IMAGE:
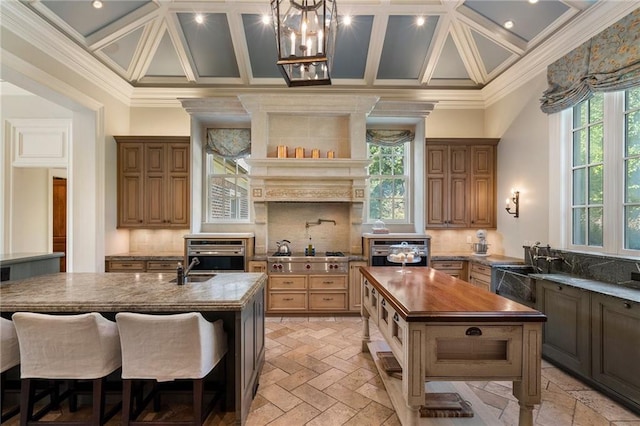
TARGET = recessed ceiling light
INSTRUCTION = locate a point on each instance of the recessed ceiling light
(533, 1)
(346, 20)
(266, 19)
(199, 18)
(97, 4)
(508, 24)
(420, 21)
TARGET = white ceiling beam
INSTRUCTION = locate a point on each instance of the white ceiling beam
(149, 41)
(468, 52)
(180, 44)
(437, 44)
(376, 42)
(490, 29)
(240, 49)
(123, 26)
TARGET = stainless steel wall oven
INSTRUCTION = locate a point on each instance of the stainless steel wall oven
(379, 250)
(216, 255)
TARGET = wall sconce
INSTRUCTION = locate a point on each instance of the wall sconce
(515, 199)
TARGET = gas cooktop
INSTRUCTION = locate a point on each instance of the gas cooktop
(326, 254)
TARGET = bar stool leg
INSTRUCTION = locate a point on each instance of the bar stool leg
(198, 394)
(127, 401)
(27, 393)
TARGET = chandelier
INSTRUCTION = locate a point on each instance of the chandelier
(305, 39)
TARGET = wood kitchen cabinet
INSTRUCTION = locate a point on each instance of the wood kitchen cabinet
(307, 293)
(565, 335)
(461, 182)
(480, 275)
(455, 268)
(616, 345)
(257, 266)
(153, 182)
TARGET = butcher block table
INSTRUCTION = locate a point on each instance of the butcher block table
(440, 328)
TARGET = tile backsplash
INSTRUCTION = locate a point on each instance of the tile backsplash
(456, 241)
(157, 241)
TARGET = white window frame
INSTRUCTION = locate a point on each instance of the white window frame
(205, 206)
(408, 195)
(613, 175)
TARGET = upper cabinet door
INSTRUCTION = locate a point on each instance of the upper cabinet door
(153, 182)
(460, 187)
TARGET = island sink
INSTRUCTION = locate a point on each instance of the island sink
(195, 279)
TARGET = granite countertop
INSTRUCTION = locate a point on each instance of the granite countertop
(490, 260)
(142, 292)
(11, 258)
(170, 255)
(622, 292)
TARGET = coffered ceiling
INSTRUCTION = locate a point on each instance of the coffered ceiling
(461, 44)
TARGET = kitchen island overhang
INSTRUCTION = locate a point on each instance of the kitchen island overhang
(440, 328)
(236, 298)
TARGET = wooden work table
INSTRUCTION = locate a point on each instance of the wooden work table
(440, 328)
(236, 298)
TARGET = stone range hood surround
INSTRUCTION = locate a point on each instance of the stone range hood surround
(310, 180)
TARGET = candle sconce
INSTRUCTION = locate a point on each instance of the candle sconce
(515, 200)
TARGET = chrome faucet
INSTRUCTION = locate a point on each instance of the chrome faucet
(183, 274)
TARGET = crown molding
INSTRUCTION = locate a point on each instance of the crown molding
(26, 24)
(588, 24)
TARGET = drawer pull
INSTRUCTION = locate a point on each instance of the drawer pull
(627, 305)
(287, 298)
(396, 317)
(473, 331)
(327, 282)
(287, 282)
(327, 299)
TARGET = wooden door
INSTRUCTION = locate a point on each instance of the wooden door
(130, 184)
(483, 199)
(60, 219)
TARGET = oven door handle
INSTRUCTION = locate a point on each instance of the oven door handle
(216, 253)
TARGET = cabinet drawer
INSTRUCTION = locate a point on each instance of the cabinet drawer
(327, 301)
(328, 283)
(478, 269)
(288, 283)
(287, 301)
(127, 266)
(474, 351)
(448, 264)
(370, 301)
(161, 265)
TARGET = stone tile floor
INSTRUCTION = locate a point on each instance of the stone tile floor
(315, 374)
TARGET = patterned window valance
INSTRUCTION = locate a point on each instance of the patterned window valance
(608, 62)
(229, 143)
(389, 137)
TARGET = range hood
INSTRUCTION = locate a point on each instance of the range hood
(308, 180)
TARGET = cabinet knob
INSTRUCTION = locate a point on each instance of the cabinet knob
(560, 288)
(627, 305)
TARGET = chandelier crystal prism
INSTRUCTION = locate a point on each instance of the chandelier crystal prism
(305, 39)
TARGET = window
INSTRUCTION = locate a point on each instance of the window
(631, 169)
(388, 182)
(604, 173)
(227, 189)
(587, 169)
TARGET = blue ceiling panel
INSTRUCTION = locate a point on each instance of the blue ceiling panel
(121, 51)
(86, 19)
(521, 12)
(261, 45)
(166, 62)
(210, 44)
(492, 54)
(450, 65)
(352, 46)
(405, 47)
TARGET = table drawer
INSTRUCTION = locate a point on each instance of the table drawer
(448, 264)
(283, 301)
(328, 282)
(127, 265)
(474, 351)
(287, 283)
(328, 301)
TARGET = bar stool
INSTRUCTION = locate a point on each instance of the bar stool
(66, 347)
(9, 358)
(166, 348)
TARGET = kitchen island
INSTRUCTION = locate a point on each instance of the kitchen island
(440, 328)
(236, 298)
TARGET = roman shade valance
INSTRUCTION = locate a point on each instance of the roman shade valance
(608, 62)
(389, 137)
(229, 143)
